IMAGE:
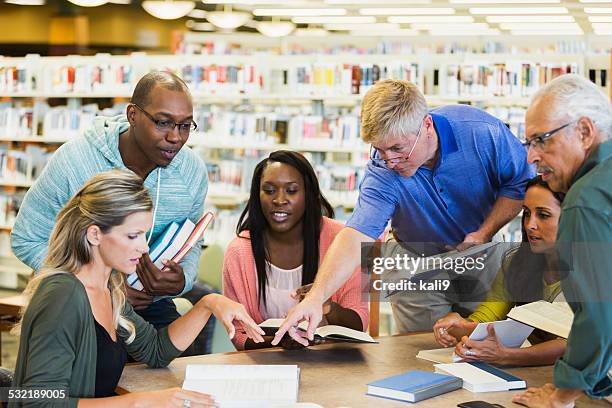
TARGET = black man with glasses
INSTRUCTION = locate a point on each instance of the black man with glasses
(569, 133)
(451, 176)
(149, 141)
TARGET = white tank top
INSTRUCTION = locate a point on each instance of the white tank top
(281, 284)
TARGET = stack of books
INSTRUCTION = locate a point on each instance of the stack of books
(174, 244)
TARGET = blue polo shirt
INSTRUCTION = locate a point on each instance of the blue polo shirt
(479, 161)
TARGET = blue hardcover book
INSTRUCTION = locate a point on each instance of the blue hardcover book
(414, 386)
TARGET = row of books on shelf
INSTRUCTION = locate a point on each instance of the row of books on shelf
(9, 206)
(510, 79)
(344, 79)
(237, 127)
(513, 79)
(22, 166)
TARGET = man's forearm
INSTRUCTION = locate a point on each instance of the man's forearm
(340, 261)
(503, 211)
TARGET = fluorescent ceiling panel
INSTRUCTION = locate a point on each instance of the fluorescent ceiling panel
(334, 19)
(360, 27)
(410, 11)
(530, 19)
(518, 10)
(540, 26)
(430, 19)
(598, 10)
(504, 1)
(288, 12)
(400, 32)
(600, 19)
(369, 2)
(450, 26)
(472, 33)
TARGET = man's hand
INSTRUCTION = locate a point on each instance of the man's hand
(300, 294)
(547, 396)
(309, 310)
(140, 300)
(169, 281)
(473, 239)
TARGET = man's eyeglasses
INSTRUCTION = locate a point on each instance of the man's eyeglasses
(538, 141)
(164, 125)
(394, 160)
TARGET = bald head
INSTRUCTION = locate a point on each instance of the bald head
(164, 79)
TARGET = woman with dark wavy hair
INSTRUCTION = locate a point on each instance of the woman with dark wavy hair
(529, 272)
(283, 233)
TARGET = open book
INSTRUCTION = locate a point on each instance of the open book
(173, 244)
(245, 386)
(555, 318)
(331, 332)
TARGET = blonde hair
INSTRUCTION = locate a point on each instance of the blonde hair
(391, 108)
(106, 200)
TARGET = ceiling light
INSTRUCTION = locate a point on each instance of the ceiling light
(598, 10)
(26, 2)
(475, 33)
(449, 26)
(540, 26)
(546, 32)
(88, 3)
(245, 2)
(197, 13)
(360, 27)
(120, 1)
(603, 32)
(168, 9)
(289, 12)
(410, 11)
(594, 1)
(228, 19)
(430, 19)
(369, 2)
(502, 1)
(600, 19)
(334, 19)
(275, 28)
(518, 10)
(400, 32)
(530, 19)
(602, 26)
(310, 32)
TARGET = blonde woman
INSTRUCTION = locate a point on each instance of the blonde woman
(77, 328)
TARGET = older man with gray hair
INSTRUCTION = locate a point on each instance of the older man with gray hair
(569, 127)
(452, 176)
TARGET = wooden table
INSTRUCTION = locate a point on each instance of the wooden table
(335, 375)
(9, 313)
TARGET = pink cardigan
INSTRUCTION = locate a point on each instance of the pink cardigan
(240, 279)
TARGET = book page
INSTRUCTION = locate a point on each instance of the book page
(555, 318)
(245, 385)
(341, 333)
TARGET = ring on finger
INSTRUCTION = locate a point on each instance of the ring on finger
(187, 403)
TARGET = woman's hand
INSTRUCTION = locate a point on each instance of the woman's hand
(173, 398)
(489, 350)
(451, 327)
(226, 310)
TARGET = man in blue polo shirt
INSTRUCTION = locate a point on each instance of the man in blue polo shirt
(453, 176)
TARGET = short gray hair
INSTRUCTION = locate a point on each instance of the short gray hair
(391, 108)
(574, 97)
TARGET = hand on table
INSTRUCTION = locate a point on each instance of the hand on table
(309, 310)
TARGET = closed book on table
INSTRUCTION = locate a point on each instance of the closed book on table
(481, 377)
(414, 386)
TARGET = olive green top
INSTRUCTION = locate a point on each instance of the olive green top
(57, 348)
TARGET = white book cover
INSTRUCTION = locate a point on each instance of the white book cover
(555, 318)
(478, 380)
(245, 386)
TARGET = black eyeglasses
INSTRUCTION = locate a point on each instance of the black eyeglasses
(538, 141)
(164, 125)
